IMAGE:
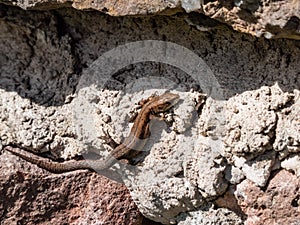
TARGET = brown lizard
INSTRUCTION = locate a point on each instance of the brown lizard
(130, 147)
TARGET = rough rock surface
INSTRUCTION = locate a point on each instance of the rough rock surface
(253, 134)
(44, 55)
(165, 199)
(30, 195)
(288, 129)
(35, 127)
(292, 163)
(248, 130)
(260, 18)
(278, 203)
(206, 169)
(209, 216)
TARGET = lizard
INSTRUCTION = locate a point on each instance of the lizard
(128, 149)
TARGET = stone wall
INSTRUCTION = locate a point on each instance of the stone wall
(219, 160)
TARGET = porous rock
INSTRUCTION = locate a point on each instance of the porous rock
(43, 52)
(278, 203)
(251, 120)
(257, 170)
(234, 174)
(163, 200)
(206, 168)
(36, 127)
(77, 197)
(288, 128)
(158, 186)
(260, 18)
(209, 216)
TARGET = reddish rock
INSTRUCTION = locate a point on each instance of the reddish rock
(30, 195)
(279, 203)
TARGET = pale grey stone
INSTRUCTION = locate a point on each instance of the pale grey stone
(205, 168)
(209, 216)
(251, 120)
(258, 170)
(163, 200)
(292, 163)
(288, 128)
(234, 175)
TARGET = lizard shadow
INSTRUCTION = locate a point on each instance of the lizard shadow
(110, 173)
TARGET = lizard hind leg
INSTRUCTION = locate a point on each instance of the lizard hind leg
(109, 140)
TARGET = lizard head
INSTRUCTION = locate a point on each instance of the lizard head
(164, 102)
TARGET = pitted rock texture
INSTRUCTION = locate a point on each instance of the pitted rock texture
(208, 164)
(119, 8)
(229, 201)
(163, 200)
(206, 168)
(38, 74)
(260, 18)
(36, 127)
(271, 19)
(288, 129)
(209, 216)
(253, 134)
(248, 129)
(278, 203)
(45, 53)
(30, 195)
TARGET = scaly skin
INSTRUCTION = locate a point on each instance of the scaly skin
(131, 146)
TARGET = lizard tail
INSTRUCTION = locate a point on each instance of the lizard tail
(57, 167)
